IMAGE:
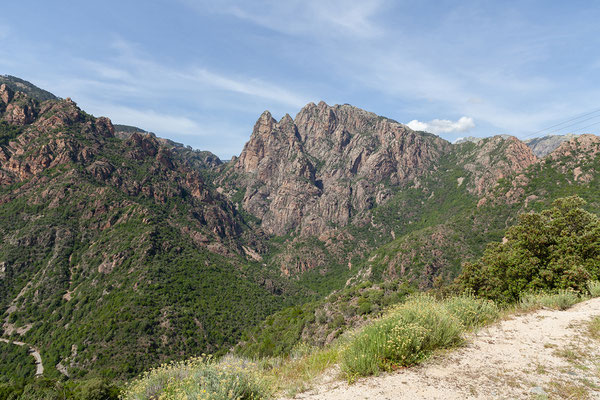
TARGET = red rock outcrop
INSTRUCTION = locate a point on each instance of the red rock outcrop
(492, 159)
(57, 133)
(327, 165)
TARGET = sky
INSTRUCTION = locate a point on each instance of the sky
(201, 72)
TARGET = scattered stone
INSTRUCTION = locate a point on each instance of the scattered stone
(538, 390)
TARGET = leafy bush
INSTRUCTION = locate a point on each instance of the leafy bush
(444, 328)
(199, 378)
(558, 248)
(559, 300)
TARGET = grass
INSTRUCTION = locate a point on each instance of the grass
(569, 390)
(594, 288)
(593, 329)
(294, 374)
(559, 300)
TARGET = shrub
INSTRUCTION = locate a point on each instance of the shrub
(444, 330)
(405, 336)
(559, 300)
(198, 378)
(558, 248)
(382, 346)
(471, 311)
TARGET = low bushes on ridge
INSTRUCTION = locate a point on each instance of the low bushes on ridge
(199, 378)
(409, 333)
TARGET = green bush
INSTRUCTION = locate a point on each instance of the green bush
(471, 311)
(199, 378)
(558, 248)
(405, 336)
(382, 346)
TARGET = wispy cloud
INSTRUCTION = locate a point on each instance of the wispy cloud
(136, 70)
(150, 119)
(303, 17)
(204, 66)
(438, 126)
(253, 87)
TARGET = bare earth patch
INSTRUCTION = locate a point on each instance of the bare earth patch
(545, 354)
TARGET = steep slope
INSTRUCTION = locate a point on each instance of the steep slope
(311, 185)
(501, 179)
(328, 165)
(116, 255)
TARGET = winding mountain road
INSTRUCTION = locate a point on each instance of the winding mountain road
(33, 351)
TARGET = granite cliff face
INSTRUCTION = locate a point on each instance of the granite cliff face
(328, 166)
(492, 159)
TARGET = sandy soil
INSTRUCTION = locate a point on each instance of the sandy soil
(543, 354)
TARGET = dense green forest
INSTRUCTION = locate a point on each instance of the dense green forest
(15, 362)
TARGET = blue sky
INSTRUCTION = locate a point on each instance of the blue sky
(201, 72)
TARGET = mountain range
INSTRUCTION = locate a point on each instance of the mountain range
(121, 250)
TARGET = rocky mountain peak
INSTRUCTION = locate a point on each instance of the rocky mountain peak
(328, 165)
(286, 120)
(264, 124)
(20, 85)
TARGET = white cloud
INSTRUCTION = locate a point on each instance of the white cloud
(438, 126)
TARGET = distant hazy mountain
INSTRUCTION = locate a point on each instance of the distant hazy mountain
(542, 146)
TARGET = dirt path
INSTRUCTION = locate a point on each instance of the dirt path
(541, 355)
(34, 352)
